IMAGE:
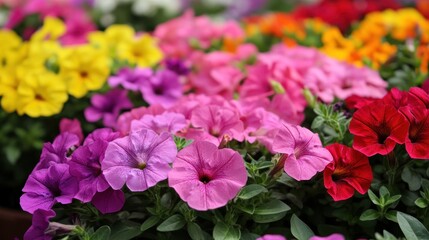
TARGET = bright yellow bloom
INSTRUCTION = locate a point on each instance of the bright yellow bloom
(52, 29)
(112, 37)
(41, 95)
(9, 40)
(84, 69)
(9, 82)
(142, 51)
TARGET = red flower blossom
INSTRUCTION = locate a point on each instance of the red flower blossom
(357, 102)
(417, 142)
(349, 171)
(377, 128)
(397, 98)
(418, 96)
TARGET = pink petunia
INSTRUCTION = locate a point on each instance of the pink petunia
(71, 126)
(304, 153)
(207, 177)
(139, 160)
(166, 122)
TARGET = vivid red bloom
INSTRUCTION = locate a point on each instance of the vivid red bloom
(417, 142)
(418, 96)
(377, 128)
(397, 98)
(349, 171)
(356, 102)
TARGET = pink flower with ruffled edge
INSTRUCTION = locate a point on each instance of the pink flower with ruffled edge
(207, 177)
(335, 236)
(123, 125)
(139, 160)
(303, 152)
(271, 237)
(166, 122)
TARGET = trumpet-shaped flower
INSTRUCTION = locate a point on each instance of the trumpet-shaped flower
(142, 51)
(166, 122)
(107, 107)
(304, 153)
(377, 128)
(46, 187)
(417, 142)
(162, 88)
(349, 171)
(207, 177)
(41, 95)
(84, 69)
(139, 160)
(40, 224)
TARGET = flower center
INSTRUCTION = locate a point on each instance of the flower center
(205, 179)
(383, 132)
(39, 97)
(158, 90)
(84, 74)
(141, 166)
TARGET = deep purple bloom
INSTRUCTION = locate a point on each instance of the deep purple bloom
(139, 160)
(163, 88)
(40, 224)
(107, 107)
(105, 134)
(85, 165)
(177, 66)
(56, 152)
(166, 122)
(131, 79)
(45, 187)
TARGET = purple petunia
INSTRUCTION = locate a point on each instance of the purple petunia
(177, 66)
(130, 79)
(48, 186)
(56, 152)
(139, 160)
(105, 134)
(40, 224)
(107, 107)
(163, 88)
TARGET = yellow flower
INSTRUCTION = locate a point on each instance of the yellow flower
(84, 69)
(9, 82)
(112, 37)
(9, 40)
(142, 51)
(52, 29)
(41, 94)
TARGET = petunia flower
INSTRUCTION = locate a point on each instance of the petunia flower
(130, 79)
(417, 142)
(139, 160)
(109, 201)
(271, 237)
(303, 150)
(335, 236)
(40, 224)
(57, 152)
(377, 128)
(162, 88)
(166, 122)
(107, 107)
(105, 134)
(349, 171)
(213, 123)
(177, 66)
(71, 126)
(207, 177)
(46, 187)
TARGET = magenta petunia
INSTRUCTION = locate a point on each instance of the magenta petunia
(40, 224)
(130, 79)
(214, 123)
(162, 88)
(271, 237)
(71, 126)
(139, 160)
(107, 106)
(207, 177)
(303, 150)
(105, 134)
(109, 201)
(56, 152)
(166, 122)
(335, 236)
(45, 187)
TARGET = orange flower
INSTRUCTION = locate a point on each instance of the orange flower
(423, 55)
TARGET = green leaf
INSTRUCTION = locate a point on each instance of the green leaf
(421, 203)
(172, 223)
(374, 199)
(12, 154)
(413, 179)
(384, 192)
(299, 229)
(101, 234)
(412, 228)
(125, 230)
(251, 191)
(272, 207)
(196, 233)
(393, 199)
(391, 215)
(369, 215)
(317, 122)
(150, 222)
(268, 218)
(223, 231)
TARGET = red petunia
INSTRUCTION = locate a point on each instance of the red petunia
(397, 98)
(417, 142)
(349, 171)
(356, 102)
(418, 96)
(377, 128)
